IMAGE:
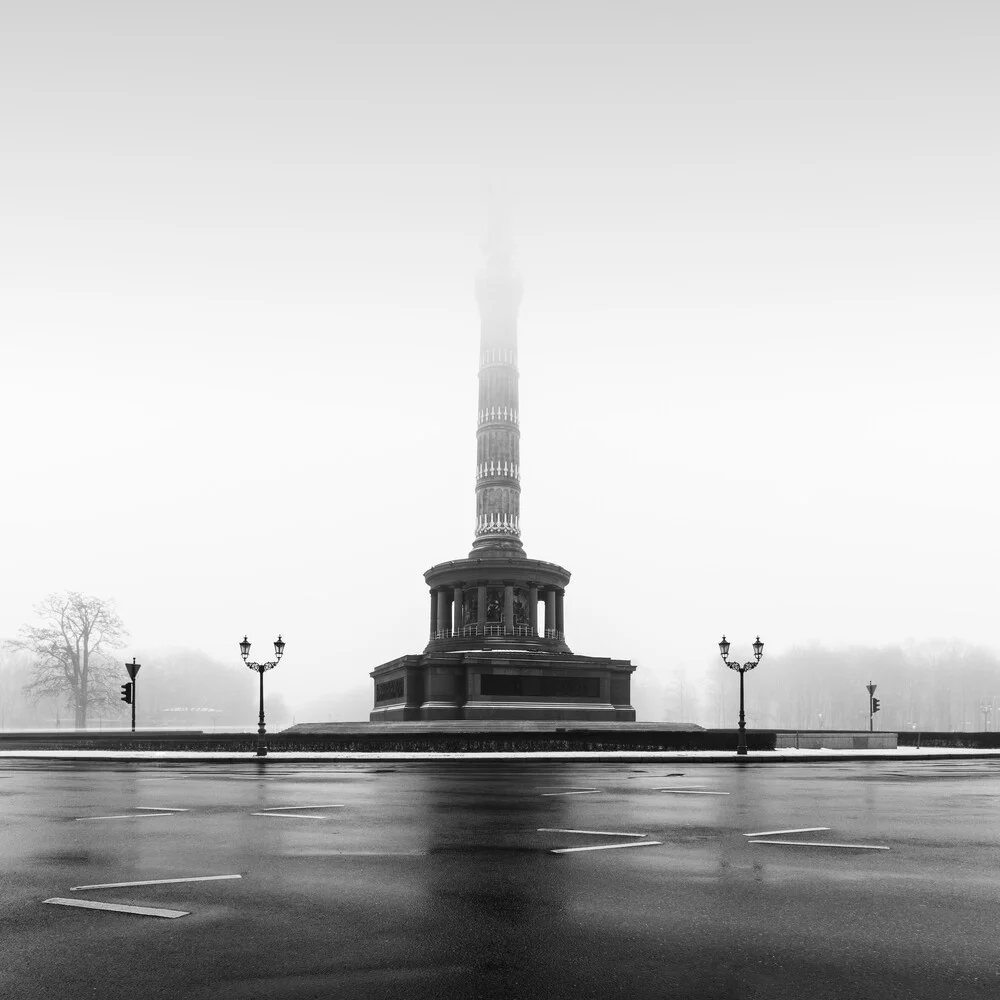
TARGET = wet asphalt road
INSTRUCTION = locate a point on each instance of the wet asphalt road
(437, 880)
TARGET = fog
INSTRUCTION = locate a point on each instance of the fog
(177, 689)
(758, 343)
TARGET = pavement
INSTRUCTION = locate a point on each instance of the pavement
(500, 878)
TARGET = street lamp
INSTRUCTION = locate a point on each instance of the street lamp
(279, 649)
(758, 652)
(985, 709)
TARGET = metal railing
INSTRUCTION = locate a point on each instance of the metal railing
(495, 630)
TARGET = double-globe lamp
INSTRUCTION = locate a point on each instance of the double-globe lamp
(758, 652)
(279, 649)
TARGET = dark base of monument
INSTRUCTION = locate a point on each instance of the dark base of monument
(502, 684)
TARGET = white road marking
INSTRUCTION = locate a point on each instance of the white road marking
(775, 833)
(164, 809)
(581, 791)
(289, 815)
(592, 833)
(142, 911)
(147, 815)
(605, 847)
(153, 881)
(816, 843)
(687, 791)
(339, 805)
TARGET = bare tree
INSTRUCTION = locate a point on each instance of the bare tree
(70, 651)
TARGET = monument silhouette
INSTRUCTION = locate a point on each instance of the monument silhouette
(497, 644)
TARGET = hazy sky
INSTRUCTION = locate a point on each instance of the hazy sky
(758, 338)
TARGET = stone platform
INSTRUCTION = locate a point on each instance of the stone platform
(494, 726)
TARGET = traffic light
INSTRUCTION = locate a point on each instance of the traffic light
(874, 705)
(127, 693)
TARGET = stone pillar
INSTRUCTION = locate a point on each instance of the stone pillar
(481, 615)
(508, 609)
(533, 608)
(550, 609)
(442, 615)
(560, 613)
(458, 609)
(434, 611)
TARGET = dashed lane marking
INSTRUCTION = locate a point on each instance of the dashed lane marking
(777, 833)
(605, 847)
(592, 833)
(278, 815)
(688, 791)
(153, 881)
(145, 815)
(141, 911)
(579, 791)
(165, 809)
(817, 843)
(338, 805)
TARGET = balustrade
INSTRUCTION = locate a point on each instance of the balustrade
(493, 630)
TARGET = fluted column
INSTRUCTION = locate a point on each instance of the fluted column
(498, 435)
(458, 609)
(560, 613)
(550, 609)
(508, 609)
(533, 608)
(481, 611)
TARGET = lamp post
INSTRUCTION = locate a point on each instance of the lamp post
(758, 652)
(985, 709)
(279, 649)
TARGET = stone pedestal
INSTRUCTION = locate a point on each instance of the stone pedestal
(502, 684)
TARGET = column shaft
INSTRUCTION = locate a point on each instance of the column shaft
(508, 609)
(481, 614)
(533, 608)
(442, 611)
(550, 611)
(458, 609)
(560, 613)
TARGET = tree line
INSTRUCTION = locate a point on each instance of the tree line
(65, 669)
(933, 686)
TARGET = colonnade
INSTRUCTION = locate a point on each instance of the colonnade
(447, 611)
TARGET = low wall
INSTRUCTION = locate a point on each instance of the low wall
(403, 738)
(819, 740)
(971, 741)
(358, 740)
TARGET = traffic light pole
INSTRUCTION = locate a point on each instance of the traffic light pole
(133, 669)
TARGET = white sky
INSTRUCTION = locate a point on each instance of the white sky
(758, 337)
